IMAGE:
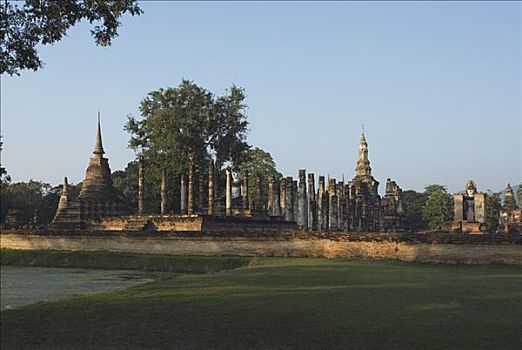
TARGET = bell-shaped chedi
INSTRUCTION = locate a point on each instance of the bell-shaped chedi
(98, 197)
(97, 184)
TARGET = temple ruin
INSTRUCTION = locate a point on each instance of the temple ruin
(469, 210)
(290, 204)
(511, 213)
(98, 198)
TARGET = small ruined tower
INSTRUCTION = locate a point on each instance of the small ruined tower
(509, 199)
(64, 197)
(365, 208)
(363, 163)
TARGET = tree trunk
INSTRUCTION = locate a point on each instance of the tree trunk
(163, 208)
(211, 188)
(141, 185)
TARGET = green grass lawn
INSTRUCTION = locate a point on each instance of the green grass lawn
(281, 303)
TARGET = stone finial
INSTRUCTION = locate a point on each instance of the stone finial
(65, 188)
(363, 163)
(98, 145)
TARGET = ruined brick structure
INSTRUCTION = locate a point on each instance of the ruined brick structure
(392, 207)
(98, 198)
(365, 201)
(336, 206)
(469, 210)
(511, 213)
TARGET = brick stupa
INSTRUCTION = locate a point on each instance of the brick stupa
(98, 197)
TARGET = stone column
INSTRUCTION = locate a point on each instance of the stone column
(458, 207)
(347, 208)
(277, 204)
(302, 204)
(289, 200)
(228, 195)
(258, 195)
(339, 191)
(244, 188)
(183, 194)
(282, 197)
(480, 207)
(202, 200)
(141, 185)
(311, 203)
(319, 201)
(270, 202)
(210, 210)
(332, 206)
(163, 206)
(294, 199)
(190, 203)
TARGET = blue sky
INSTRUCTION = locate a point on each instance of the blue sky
(437, 86)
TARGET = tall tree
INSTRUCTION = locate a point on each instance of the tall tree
(188, 125)
(438, 207)
(43, 22)
(413, 202)
(126, 183)
(259, 163)
(493, 208)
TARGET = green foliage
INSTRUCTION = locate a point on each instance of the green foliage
(4, 177)
(126, 183)
(413, 202)
(44, 22)
(438, 207)
(260, 164)
(182, 123)
(493, 208)
(287, 303)
(33, 197)
(519, 195)
(190, 121)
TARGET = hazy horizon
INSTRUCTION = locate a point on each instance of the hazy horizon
(438, 87)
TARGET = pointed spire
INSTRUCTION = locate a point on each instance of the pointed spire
(65, 188)
(98, 146)
(363, 163)
(363, 138)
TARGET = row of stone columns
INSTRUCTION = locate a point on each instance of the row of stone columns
(327, 209)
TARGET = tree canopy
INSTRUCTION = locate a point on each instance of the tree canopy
(33, 197)
(43, 22)
(259, 163)
(493, 208)
(413, 202)
(190, 122)
(438, 207)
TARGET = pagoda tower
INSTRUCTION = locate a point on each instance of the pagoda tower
(98, 197)
(365, 199)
